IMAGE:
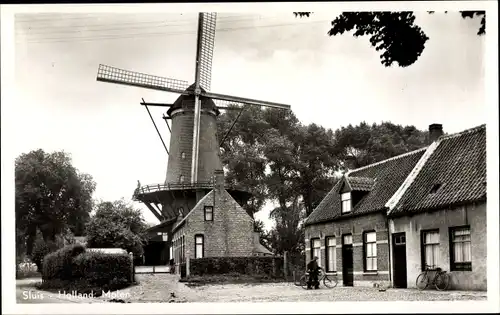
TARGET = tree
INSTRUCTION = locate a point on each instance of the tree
(117, 225)
(51, 195)
(361, 145)
(393, 33)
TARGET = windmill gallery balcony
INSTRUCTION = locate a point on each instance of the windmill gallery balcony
(180, 198)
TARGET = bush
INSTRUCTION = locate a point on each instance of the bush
(42, 249)
(254, 266)
(102, 269)
(73, 268)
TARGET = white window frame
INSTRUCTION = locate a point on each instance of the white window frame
(434, 253)
(197, 252)
(346, 202)
(370, 251)
(331, 253)
(316, 251)
(211, 212)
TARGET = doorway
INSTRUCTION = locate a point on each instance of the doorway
(399, 259)
(347, 261)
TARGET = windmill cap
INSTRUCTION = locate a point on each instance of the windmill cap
(188, 102)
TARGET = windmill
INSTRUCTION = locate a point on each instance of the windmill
(195, 112)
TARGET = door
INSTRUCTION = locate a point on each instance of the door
(399, 259)
(347, 261)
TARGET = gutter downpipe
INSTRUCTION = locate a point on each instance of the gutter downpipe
(389, 242)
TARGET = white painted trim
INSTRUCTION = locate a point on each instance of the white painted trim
(383, 242)
(357, 244)
(393, 201)
(371, 273)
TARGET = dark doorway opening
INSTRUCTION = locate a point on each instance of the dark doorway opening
(347, 261)
(399, 260)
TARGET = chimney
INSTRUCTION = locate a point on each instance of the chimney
(219, 179)
(435, 131)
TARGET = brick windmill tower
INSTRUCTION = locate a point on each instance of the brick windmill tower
(193, 154)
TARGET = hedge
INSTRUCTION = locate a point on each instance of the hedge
(255, 266)
(73, 268)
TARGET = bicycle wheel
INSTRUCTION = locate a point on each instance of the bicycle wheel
(303, 282)
(330, 283)
(422, 281)
(442, 281)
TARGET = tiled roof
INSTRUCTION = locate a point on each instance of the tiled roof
(385, 176)
(360, 183)
(454, 173)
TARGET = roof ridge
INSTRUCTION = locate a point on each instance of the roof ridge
(394, 200)
(387, 160)
(463, 132)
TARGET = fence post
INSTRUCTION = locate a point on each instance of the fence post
(285, 265)
(132, 267)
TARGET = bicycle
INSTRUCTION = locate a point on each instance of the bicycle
(441, 279)
(329, 283)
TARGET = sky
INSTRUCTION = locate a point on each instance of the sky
(330, 81)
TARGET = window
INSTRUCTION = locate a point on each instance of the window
(209, 213)
(316, 249)
(199, 246)
(346, 202)
(331, 254)
(430, 249)
(370, 251)
(181, 179)
(461, 256)
(347, 239)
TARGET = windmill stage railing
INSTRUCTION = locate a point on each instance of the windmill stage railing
(177, 186)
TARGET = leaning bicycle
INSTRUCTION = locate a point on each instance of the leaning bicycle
(329, 282)
(441, 279)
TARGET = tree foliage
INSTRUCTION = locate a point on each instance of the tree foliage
(361, 145)
(51, 195)
(395, 34)
(117, 225)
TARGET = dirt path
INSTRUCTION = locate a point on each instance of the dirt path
(155, 288)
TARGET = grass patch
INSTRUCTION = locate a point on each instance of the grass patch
(229, 278)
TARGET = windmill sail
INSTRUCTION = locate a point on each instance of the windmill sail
(115, 75)
(222, 99)
(205, 49)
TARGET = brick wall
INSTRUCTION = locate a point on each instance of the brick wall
(472, 215)
(355, 226)
(229, 234)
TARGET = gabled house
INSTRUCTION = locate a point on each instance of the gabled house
(388, 220)
(216, 227)
(348, 230)
(438, 217)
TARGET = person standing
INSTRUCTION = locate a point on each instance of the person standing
(313, 269)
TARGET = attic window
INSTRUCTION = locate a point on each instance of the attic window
(346, 202)
(435, 188)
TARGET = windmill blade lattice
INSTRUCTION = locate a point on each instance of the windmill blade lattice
(222, 99)
(115, 75)
(206, 38)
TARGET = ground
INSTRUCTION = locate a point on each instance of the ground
(160, 287)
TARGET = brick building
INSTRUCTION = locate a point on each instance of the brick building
(216, 227)
(438, 217)
(348, 230)
(385, 221)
